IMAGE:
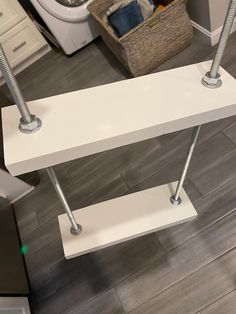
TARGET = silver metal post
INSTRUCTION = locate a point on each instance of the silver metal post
(175, 199)
(75, 228)
(28, 123)
(212, 78)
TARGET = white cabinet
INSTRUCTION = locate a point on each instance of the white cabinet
(14, 305)
(11, 13)
(21, 40)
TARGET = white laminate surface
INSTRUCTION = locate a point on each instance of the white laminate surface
(96, 119)
(14, 305)
(124, 218)
(13, 188)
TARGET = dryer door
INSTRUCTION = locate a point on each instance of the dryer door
(71, 3)
(66, 10)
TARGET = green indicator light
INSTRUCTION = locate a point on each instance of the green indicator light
(24, 249)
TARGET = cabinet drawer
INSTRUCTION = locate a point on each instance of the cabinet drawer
(11, 13)
(21, 41)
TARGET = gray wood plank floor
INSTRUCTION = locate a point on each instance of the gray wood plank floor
(185, 269)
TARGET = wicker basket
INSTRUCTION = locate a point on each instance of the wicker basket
(152, 42)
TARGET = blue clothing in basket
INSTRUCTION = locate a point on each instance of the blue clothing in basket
(126, 18)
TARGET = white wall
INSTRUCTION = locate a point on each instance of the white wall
(208, 17)
(210, 14)
(199, 12)
(217, 10)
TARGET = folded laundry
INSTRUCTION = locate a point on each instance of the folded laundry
(125, 18)
(124, 15)
(147, 7)
(117, 5)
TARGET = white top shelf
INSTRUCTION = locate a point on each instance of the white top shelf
(96, 119)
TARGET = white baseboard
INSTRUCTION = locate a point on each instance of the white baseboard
(211, 37)
(205, 34)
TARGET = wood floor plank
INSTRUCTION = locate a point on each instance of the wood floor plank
(100, 270)
(118, 262)
(209, 130)
(110, 265)
(171, 174)
(226, 304)
(113, 160)
(230, 131)
(41, 284)
(100, 190)
(216, 175)
(168, 159)
(210, 209)
(191, 294)
(208, 153)
(149, 162)
(178, 263)
(90, 275)
(60, 302)
(169, 154)
(104, 304)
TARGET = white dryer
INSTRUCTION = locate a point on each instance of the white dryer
(69, 21)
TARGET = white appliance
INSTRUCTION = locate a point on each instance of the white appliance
(69, 21)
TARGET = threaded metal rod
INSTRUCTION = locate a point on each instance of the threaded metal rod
(223, 38)
(75, 228)
(212, 78)
(28, 123)
(13, 86)
(175, 199)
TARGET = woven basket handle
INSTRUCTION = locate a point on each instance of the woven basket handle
(155, 19)
(158, 16)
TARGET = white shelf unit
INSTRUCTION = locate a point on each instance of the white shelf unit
(101, 118)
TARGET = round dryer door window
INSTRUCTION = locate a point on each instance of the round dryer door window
(71, 3)
(66, 10)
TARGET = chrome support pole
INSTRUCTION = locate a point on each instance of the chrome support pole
(175, 199)
(75, 228)
(28, 123)
(212, 78)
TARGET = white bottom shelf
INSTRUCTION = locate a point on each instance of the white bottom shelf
(124, 218)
